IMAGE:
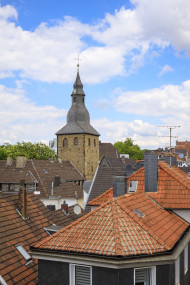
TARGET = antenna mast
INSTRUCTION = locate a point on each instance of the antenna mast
(170, 128)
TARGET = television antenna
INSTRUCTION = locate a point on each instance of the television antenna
(170, 136)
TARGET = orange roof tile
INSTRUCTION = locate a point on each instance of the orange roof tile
(102, 198)
(114, 229)
(173, 188)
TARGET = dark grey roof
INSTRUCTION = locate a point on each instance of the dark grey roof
(78, 118)
(108, 150)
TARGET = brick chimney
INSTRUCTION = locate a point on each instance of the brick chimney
(119, 186)
(23, 208)
(65, 207)
(57, 180)
(150, 171)
(20, 161)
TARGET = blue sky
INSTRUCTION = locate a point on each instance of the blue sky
(135, 59)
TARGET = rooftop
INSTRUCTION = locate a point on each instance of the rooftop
(116, 229)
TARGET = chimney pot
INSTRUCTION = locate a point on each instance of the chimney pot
(65, 207)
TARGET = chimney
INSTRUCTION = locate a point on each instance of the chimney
(20, 161)
(57, 180)
(65, 207)
(9, 161)
(119, 186)
(51, 207)
(23, 208)
(150, 171)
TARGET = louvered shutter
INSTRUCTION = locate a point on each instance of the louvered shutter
(142, 276)
(82, 275)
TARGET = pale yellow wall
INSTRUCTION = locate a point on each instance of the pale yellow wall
(84, 157)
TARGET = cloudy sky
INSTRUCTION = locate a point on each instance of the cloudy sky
(135, 67)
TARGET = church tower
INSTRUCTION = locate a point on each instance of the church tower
(78, 141)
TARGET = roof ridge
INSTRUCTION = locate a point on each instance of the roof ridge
(163, 167)
(142, 225)
(116, 230)
(136, 172)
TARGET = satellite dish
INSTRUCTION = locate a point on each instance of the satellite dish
(77, 210)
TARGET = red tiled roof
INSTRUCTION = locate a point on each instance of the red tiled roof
(173, 188)
(102, 198)
(114, 229)
(14, 230)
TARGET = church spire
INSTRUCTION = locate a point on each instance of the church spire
(78, 86)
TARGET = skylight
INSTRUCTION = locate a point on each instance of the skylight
(44, 170)
(23, 252)
(2, 281)
(139, 213)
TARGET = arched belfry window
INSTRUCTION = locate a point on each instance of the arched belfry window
(89, 142)
(75, 141)
(94, 142)
(74, 99)
(65, 142)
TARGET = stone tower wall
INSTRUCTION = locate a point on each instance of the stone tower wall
(85, 157)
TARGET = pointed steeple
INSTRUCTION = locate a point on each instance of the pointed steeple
(78, 86)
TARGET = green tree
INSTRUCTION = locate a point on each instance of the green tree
(127, 147)
(30, 150)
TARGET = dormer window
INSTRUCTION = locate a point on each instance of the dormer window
(132, 186)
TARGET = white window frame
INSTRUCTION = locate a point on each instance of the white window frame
(152, 274)
(2, 281)
(177, 271)
(133, 186)
(72, 273)
(186, 259)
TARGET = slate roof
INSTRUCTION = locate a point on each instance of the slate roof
(112, 161)
(78, 118)
(14, 230)
(104, 180)
(44, 172)
(107, 149)
(115, 230)
(173, 188)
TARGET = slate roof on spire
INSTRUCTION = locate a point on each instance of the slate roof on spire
(78, 118)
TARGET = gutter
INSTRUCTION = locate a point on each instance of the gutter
(118, 262)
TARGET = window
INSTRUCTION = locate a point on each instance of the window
(23, 252)
(89, 142)
(94, 142)
(145, 276)
(80, 275)
(177, 271)
(65, 143)
(75, 141)
(132, 186)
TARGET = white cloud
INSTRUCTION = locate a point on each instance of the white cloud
(47, 53)
(166, 101)
(21, 119)
(166, 68)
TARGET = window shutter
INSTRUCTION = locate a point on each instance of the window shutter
(82, 275)
(142, 275)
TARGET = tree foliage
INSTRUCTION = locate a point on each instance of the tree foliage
(30, 150)
(127, 147)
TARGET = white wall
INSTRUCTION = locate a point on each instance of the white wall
(58, 202)
(185, 214)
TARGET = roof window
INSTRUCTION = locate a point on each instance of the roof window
(44, 170)
(23, 252)
(2, 281)
(139, 213)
